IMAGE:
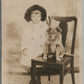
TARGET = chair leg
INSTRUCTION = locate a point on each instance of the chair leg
(39, 78)
(72, 72)
(49, 77)
(33, 74)
(73, 78)
(62, 75)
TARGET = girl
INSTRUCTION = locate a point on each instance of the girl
(34, 35)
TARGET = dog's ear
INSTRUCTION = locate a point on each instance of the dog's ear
(58, 29)
(49, 30)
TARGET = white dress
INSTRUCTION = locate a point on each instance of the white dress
(33, 39)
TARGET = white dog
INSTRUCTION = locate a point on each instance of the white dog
(53, 47)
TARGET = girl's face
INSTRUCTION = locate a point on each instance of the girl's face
(36, 16)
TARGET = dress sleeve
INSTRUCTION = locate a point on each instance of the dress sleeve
(26, 39)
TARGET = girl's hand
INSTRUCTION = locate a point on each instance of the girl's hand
(25, 52)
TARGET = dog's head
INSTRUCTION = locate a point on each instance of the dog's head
(53, 33)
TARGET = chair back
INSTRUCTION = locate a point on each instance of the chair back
(63, 24)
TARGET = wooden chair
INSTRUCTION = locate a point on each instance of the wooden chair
(61, 67)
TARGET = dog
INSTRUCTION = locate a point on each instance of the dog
(53, 47)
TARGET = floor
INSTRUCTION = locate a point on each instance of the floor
(19, 78)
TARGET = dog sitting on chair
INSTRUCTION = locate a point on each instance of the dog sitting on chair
(53, 48)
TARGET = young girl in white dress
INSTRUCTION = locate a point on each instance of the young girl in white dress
(33, 37)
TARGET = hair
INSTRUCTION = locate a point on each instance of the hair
(33, 8)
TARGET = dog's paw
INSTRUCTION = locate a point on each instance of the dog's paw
(61, 56)
(45, 57)
(59, 59)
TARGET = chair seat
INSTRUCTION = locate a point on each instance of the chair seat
(42, 62)
(52, 69)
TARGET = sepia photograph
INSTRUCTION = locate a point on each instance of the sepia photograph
(41, 42)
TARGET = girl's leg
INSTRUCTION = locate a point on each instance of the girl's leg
(27, 68)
